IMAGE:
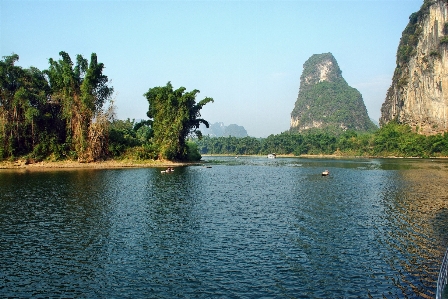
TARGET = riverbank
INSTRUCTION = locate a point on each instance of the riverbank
(329, 156)
(109, 164)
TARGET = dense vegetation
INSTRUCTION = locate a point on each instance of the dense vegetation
(174, 116)
(57, 112)
(334, 103)
(409, 41)
(391, 140)
(66, 112)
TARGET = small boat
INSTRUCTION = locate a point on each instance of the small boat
(325, 173)
(168, 170)
(272, 156)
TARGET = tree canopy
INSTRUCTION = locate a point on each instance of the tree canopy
(58, 111)
(23, 106)
(174, 116)
(81, 91)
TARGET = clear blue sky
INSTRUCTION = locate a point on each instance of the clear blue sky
(247, 55)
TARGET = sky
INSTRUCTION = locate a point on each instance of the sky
(247, 55)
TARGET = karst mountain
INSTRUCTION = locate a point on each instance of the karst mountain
(325, 100)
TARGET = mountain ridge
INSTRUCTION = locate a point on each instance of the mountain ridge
(218, 129)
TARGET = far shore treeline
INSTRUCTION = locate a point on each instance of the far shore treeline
(66, 112)
(391, 140)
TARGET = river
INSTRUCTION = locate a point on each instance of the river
(247, 227)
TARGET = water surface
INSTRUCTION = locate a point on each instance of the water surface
(238, 228)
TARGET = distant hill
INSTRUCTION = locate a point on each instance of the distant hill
(220, 130)
(325, 100)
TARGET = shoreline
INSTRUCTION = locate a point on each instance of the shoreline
(108, 164)
(332, 156)
(120, 164)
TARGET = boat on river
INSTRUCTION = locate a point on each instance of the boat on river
(325, 172)
(272, 156)
(168, 170)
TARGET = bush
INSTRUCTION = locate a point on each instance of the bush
(444, 40)
(142, 152)
(193, 152)
(435, 54)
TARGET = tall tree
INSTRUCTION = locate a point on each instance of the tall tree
(175, 115)
(81, 91)
(23, 95)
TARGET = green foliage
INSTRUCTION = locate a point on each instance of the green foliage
(81, 90)
(445, 28)
(142, 152)
(174, 115)
(56, 112)
(399, 140)
(435, 54)
(37, 122)
(23, 107)
(409, 39)
(402, 82)
(330, 104)
(333, 104)
(122, 136)
(391, 140)
(444, 40)
(311, 71)
(193, 152)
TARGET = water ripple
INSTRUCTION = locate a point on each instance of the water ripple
(244, 228)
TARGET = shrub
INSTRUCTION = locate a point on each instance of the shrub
(444, 40)
(193, 152)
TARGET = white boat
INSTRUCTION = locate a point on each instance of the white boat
(168, 170)
(325, 173)
(272, 156)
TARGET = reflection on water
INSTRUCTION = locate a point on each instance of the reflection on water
(244, 228)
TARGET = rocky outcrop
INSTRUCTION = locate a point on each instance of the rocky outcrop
(418, 95)
(325, 100)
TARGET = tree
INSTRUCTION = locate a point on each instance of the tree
(175, 115)
(23, 98)
(81, 91)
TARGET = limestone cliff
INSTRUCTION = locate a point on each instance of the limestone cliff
(418, 95)
(326, 101)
